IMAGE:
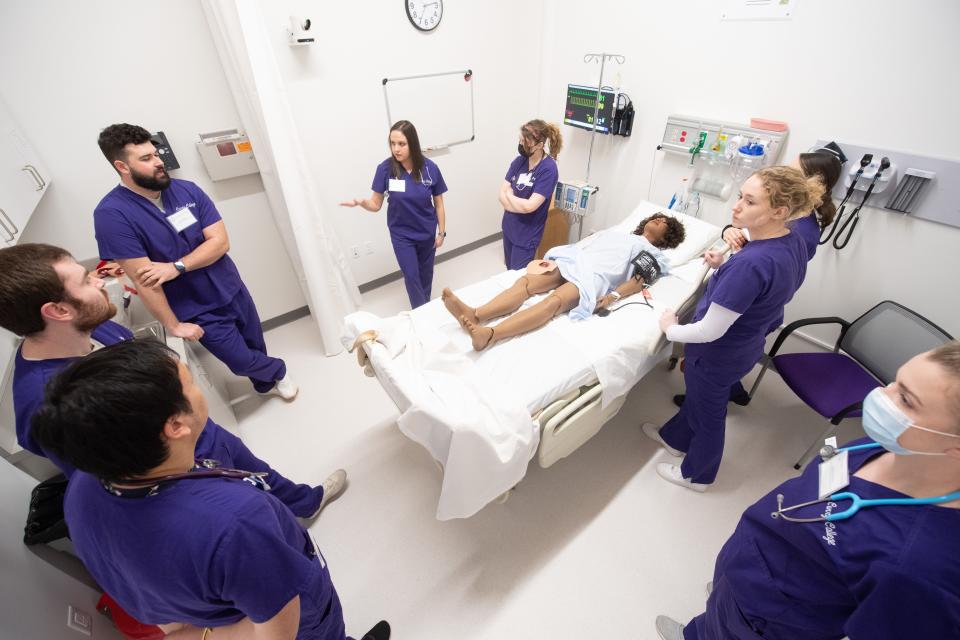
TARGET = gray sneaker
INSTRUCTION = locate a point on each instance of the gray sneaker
(332, 488)
(669, 629)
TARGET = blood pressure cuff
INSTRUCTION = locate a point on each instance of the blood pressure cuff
(645, 266)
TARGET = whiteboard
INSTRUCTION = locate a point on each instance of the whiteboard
(440, 106)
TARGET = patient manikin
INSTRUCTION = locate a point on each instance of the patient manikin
(581, 279)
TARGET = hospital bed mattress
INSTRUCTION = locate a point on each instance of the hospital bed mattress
(481, 414)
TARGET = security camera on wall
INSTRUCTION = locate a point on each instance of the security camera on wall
(299, 31)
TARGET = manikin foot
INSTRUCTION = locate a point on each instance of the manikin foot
(480, 336)
(457, 308)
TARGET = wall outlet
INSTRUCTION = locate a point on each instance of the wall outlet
(368, 247)
(355, 251)
(79, 620)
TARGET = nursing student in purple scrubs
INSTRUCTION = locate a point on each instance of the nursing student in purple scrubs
(527, 190)
(200, 550)
(63, 314)
(823, 163)
(170, 239)
(743, 302)
(888, 572)
(416, 216)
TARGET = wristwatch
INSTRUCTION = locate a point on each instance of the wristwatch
(180, 267)
(442, 234)
(616, 296)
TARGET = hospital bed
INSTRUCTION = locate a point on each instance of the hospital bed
(484, 416)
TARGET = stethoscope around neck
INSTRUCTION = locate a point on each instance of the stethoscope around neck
(856, 502)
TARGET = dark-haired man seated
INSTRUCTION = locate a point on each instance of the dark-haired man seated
(63, 313)
(201, 550)
(581, 278)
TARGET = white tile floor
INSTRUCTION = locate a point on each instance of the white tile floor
(593, 547)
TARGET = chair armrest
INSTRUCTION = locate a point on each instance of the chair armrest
(793, 326)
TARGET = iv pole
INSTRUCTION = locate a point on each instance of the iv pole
(602, 58)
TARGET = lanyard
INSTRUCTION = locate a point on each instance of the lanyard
(144, 487)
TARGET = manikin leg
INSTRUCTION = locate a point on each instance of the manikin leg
(505, 302)
(562, 299)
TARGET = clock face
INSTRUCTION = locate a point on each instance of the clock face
(425, 15)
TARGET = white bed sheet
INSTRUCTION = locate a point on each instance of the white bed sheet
(472, 411)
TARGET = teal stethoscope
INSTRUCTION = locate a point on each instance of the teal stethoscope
(856, 502)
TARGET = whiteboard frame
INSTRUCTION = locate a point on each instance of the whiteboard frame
(467, 73)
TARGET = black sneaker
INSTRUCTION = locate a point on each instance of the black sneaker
(380, 631)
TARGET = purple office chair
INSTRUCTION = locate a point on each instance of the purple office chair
(867, 355)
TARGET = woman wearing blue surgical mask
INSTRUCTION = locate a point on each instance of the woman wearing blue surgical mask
(416, 216)
(527, 190)
(826, 570)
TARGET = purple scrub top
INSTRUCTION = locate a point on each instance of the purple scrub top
(410, 213)
(206, 551)
(755, 282)
(128, 225)
(887, 572)
(807, 228)
(526, 229)
(30, 378)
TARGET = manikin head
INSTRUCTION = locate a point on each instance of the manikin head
(661, 230)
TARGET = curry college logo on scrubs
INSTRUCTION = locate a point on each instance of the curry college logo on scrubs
(829, 528)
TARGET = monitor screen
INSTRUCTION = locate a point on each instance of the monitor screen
(581, 102)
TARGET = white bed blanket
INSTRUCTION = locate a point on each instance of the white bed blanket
(472, 411)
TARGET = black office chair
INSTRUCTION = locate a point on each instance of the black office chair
(867, 355)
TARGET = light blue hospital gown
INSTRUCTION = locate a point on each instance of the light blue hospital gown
(600, 263)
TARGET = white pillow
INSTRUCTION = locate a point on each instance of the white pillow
(699, 235)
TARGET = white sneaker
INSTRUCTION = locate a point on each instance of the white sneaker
(671, 473)
(332, 488)
(285, 388)
(669, 629)
(652, 431)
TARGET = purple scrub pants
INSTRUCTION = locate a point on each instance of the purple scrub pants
(516, 256)
(234, 335)
(216, 443)
(698, 427)
(415, 258)
(723, 619)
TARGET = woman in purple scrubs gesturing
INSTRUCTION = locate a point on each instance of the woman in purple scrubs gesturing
(799, 567)
(527, 190)
(415, 214)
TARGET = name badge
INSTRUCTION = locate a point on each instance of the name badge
(182, 219)
(834, 474)
(525, 180)
(397, 185)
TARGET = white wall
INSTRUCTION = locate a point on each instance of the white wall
(71, 68)
(337, 98)
(821, 73)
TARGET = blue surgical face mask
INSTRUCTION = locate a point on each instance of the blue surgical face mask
(884, 422)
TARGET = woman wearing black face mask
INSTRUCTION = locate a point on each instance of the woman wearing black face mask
(527, 190)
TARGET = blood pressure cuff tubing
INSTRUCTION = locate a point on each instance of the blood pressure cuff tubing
(645, 266)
